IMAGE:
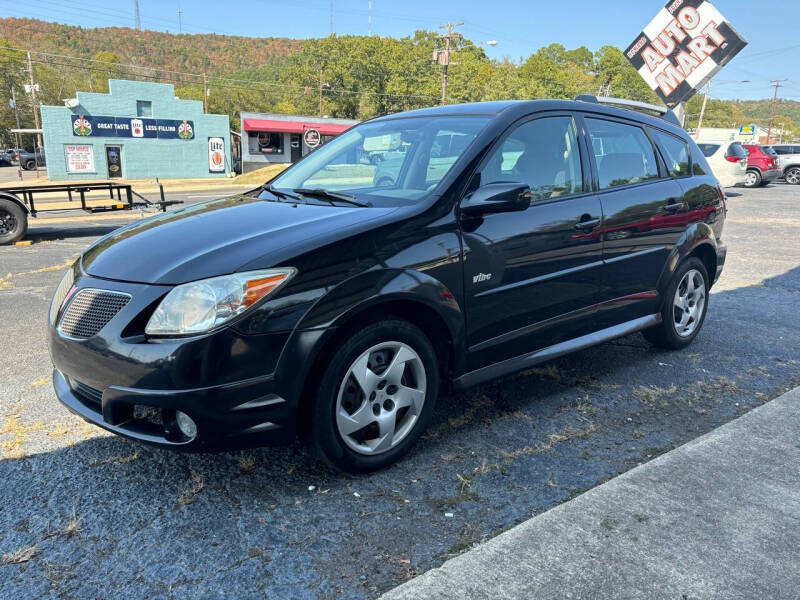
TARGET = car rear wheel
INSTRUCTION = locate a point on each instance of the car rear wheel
(684, 309)
(30, 165)
(792, 175)
(375, 398)
(13, 222)
(752, 178)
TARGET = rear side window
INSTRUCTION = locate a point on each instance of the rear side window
(699, 162)
(708, 150)
(769, 150)
(543, 154)
(623, 153)
(782, 150)
(676, 153)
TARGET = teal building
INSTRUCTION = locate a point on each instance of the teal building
(139, 130)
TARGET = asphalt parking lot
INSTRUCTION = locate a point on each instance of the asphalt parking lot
(85, 514)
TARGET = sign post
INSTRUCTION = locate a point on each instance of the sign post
(687, 43)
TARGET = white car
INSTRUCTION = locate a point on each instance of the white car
(728, 160)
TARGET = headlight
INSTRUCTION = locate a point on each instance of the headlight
(203, 305)
(64, 289)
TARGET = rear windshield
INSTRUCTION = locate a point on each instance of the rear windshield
(736, 150)
(708, 149)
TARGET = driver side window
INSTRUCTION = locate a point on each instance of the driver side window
(543, 154)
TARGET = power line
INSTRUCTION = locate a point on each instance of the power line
(197, 77)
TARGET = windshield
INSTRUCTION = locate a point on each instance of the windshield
(397, 161)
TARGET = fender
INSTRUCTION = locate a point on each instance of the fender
(15, 200)
(696, 234)
(358, 294)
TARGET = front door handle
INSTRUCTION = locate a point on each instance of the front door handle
(587, 224)
(673, 206)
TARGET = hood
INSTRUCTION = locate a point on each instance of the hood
(218, 237)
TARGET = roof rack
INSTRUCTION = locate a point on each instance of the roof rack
(661, 111)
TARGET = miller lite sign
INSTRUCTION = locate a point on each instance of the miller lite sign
(216, 155)
(137, 128)
(687, 43)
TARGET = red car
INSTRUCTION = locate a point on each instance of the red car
(762, 166)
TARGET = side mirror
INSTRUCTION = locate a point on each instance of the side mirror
(506, 196)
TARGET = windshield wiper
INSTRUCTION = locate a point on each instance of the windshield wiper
(330, 196)
(279, 194)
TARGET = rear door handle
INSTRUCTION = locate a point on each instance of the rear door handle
(588, 224)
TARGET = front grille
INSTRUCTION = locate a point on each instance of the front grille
(89, 311)
(87, 393)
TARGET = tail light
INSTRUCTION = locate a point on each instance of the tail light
(16, 155)
(734, 159)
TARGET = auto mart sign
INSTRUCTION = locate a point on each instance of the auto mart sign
(687, 43)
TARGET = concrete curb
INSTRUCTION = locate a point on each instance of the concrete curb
(718, 517)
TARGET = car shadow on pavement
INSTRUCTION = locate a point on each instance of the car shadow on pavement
(105, 517)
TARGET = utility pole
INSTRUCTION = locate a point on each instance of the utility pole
(180, 20)
(205, 93)
(443, 57)
(331, 17)
(16, 117)
(320, 91)
(369, 18)
(33, 102)
(702, 111)
(136, 15)
(777, 83)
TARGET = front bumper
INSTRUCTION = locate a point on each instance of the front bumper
(722, 254)
(229, 383)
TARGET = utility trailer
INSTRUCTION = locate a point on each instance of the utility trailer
(20, 202)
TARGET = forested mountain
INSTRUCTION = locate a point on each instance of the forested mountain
(355, 76)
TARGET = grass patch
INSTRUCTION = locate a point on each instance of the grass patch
(22, 555)
(260, 175)
(198, 484)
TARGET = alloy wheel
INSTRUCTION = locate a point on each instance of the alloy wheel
(750, 179)
(689, 302)
(381, 398)
(793, 176)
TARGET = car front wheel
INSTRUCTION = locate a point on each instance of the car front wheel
(375, 398)
(684, 309)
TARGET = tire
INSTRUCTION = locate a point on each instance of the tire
(13, 222)
(676, 335)
(752, 179)
(792, 175)
(30, 165)
(350, 421)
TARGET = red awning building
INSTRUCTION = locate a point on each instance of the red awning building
(270, 138)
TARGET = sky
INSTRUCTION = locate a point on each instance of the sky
(519, 27)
